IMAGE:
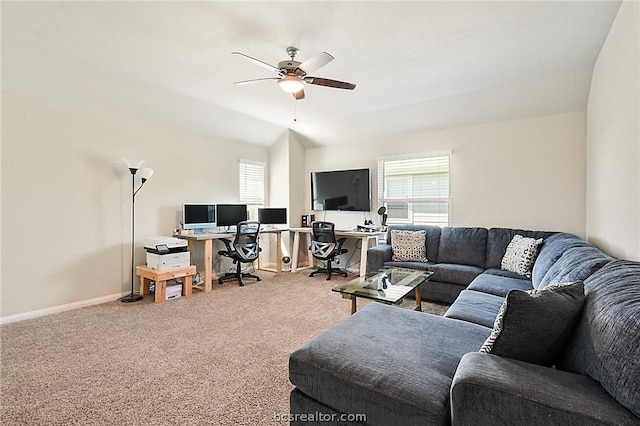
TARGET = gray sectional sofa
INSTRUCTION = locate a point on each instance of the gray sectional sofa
(391, 366)
(456, 255)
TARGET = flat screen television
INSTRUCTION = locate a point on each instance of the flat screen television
(231, 214)
(341, 190)
(198, 216)
(272, 216)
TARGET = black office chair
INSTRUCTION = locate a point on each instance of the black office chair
(324, 246)
(245, 249)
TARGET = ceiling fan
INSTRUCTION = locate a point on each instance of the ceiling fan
(292, 74)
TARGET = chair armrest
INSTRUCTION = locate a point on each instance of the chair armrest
(377, 255)
(227, 244)
(488, 389)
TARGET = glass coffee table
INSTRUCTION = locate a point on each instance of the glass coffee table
(386, 285)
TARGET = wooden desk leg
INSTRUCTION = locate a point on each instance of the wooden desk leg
(190, 246)
(418, 306)
(208, 265)
(296, 248)
(363, 256)
(161, 291)
(308, 238)
(187, 284)
(279, 252)
(144, 286)
(260, 261)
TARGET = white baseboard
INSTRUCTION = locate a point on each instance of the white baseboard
(61, 308)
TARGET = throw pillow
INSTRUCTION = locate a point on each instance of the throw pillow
(535, 325)
(521, 255)
(408, 246)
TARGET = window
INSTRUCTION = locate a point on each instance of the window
(415, 189)
(252, 186)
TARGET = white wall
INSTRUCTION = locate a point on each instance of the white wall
(298, 179)
(525, 173)
(66, 196)
(613, 140)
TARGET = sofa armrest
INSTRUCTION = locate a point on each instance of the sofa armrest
(488, 389)
(377, 255)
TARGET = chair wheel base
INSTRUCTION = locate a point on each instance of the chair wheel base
(329, 272)
(232, 276)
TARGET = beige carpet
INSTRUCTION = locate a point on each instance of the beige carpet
(219, 358)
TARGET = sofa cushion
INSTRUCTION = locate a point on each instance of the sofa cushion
(534, 326)
(475, 307)
(464, 246)
(454, 273)
(508, 274)
(377, 255)
(491, 390)
(499, 238)
(576, 264)
(378, 362)
(550, 251)
(498, 285)
(520, 255)
(421, 266)
(408, 246)
(606, 342)
(432, 236)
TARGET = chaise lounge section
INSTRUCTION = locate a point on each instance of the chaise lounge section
(394, 366)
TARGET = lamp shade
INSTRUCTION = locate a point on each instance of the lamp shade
(291, 84)
(146, 173)
(133, 164)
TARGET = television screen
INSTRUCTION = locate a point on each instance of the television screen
(198, 216)
(342, 190)
(231, 214)
(272, 216)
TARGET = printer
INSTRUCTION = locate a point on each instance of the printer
(167, 253)
(165, 245)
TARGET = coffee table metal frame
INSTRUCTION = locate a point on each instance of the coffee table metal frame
(386, 285)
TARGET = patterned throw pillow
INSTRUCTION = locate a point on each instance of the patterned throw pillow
(535, 325)
(521, 255)
(408, 246)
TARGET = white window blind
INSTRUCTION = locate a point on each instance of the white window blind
(251, 182)
(415, 189)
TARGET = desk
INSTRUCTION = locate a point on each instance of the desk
(365, 238)
(207, 239)
(278, 267)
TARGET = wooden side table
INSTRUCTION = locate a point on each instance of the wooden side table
(147, 274)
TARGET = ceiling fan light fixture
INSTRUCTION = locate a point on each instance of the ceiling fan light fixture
(291, 84)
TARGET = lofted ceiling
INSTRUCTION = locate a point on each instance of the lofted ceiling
(420, 65)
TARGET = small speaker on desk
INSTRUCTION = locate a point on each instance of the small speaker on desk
(307, 219)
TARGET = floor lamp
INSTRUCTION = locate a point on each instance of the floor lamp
(145, 174)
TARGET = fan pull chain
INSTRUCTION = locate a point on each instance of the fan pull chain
(295, 111)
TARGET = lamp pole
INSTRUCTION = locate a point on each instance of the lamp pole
(146, 174)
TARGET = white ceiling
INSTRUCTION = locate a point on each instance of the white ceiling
(417, 65)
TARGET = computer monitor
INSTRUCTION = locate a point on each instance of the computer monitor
(198, 216)
(272, 216)
(230, 214)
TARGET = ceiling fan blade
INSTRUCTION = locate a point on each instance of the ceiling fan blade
(257, 62)
(255, 80)
(329, 83)
(299, 95)
(315, 62)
